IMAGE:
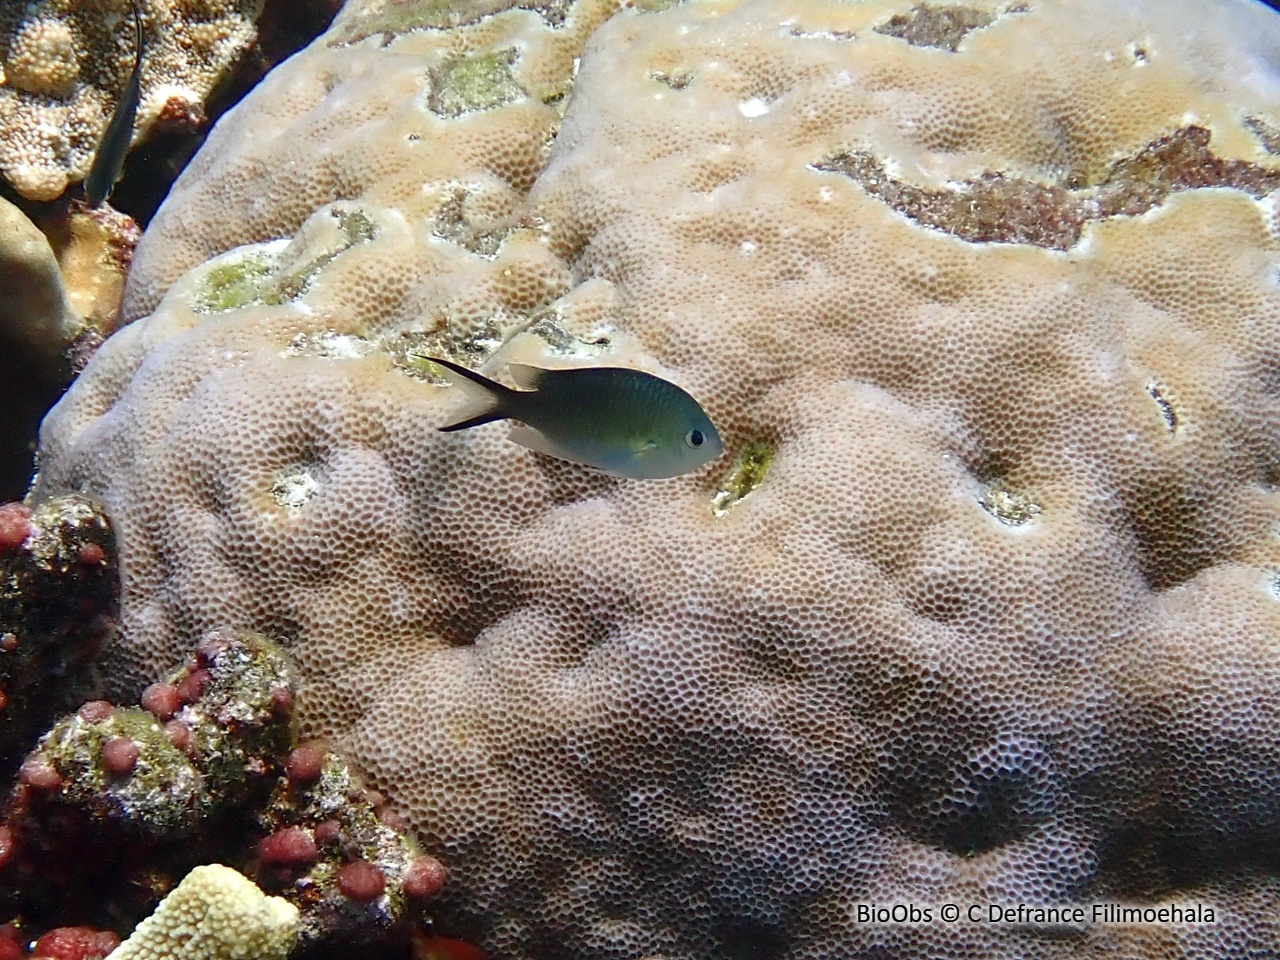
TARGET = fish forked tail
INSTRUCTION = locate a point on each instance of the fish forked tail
(486, 400)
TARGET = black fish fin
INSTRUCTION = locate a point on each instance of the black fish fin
(487, 416)
(485, 398)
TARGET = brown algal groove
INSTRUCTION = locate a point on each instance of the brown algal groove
(450, 223)
(1268, 133)
(1167, 412)
(676, 81)
(995, 208)
(939, 27)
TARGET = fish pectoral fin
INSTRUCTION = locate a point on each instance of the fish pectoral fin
(646, 446)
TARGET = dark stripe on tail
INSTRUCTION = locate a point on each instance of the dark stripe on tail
(497, 396)
(472, 422)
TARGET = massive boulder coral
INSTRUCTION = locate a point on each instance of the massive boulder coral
(63, 64)
(982, 603)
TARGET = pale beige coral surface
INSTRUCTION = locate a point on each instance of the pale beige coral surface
(980, 606)
(64, 64)
(215, 913)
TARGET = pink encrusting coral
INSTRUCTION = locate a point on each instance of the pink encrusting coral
(74, 943)
(290, 847)
(15, 525)
(981, 605)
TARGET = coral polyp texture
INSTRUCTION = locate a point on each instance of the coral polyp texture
(64, 64)
(215, 913)
(981, 605)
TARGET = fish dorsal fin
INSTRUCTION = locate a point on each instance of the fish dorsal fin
(525, 376)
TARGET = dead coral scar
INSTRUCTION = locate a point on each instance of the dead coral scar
(940, 27)
(394, 19)
(995, 208)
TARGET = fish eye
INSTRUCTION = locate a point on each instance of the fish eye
(695, 438)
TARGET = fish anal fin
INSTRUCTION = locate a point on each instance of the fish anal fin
(525, 376)
(528, 437)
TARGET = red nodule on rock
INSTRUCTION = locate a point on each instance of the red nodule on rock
(95, 711)
(39, 774)
(289, 847)
(360, 880)
(327, 831)
(393, 820)
(10, 949)
(429, 946)
(210, 649)
(76, 943)
(161, 700)
(179, 734)
(6, 846)
(423, 878)
(193, 685)
(8, 642)
(304, 764)
(4, 701)
(281, 702)
(90, 554)
(15, 525)
(120, 755)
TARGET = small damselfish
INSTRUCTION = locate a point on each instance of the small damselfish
(108, 160)
(627, 422)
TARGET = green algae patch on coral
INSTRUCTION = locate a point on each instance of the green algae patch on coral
(159, 796)
(326, 235)
(249, 679)
(282, 270)
(469, 84)
(745, 477)
(654, 6)
(237, 281)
